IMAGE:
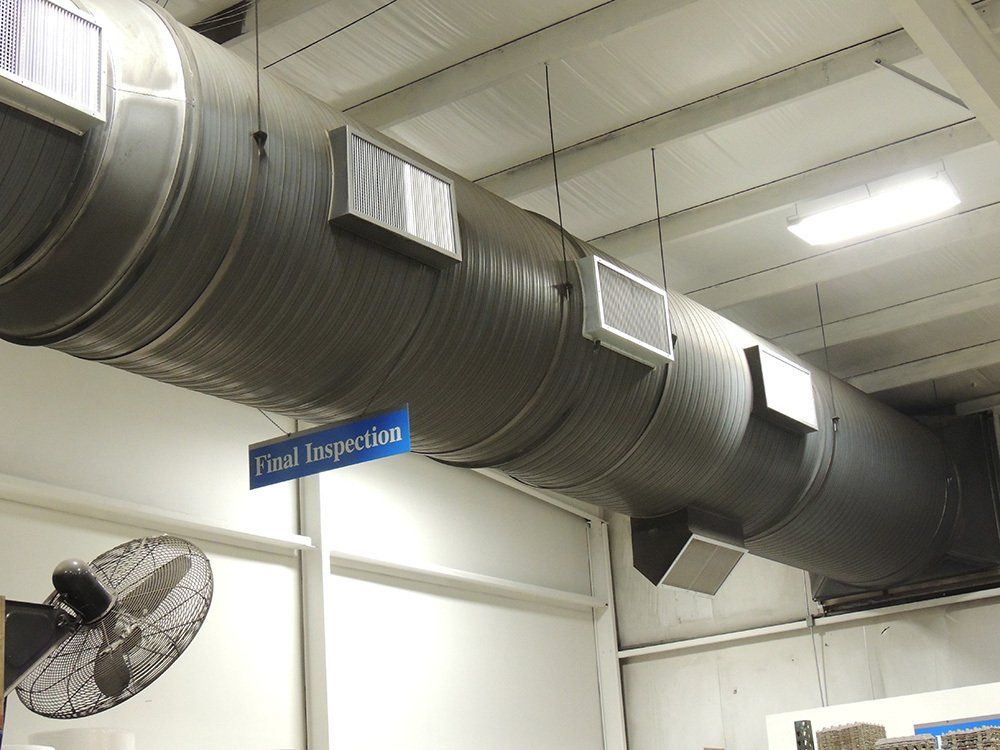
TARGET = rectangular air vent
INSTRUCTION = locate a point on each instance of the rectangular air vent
(687, 549)
(387, 197)
(624, 312)
(51, 63)
(782, 390)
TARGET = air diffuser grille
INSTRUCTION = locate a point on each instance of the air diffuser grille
(51, 61)
(379, 193)
(624, 312)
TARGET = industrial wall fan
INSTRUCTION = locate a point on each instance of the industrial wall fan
(109, 629)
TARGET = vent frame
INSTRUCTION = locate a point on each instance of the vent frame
(595, 320)
(344, 212)
(33, 96)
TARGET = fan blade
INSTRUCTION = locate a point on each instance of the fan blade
(111, 672)
(149, 594)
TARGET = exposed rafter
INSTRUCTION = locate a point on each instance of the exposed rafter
(962, 47)
(983, 403)
(895, 318)
(969, 225)
(928, 368)
(742, 101)
(477, 73)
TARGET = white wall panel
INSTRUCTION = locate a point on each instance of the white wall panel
(425, 668)
(85, 426)
(409, 509)
(687, 698)
(428, 667)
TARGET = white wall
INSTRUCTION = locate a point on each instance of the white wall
(78, 425)
(420, 666)
(404, 664)
(719, 695)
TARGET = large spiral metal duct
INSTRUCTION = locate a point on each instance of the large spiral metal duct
(166, 243)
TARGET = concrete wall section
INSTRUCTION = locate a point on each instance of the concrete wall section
(718, 694)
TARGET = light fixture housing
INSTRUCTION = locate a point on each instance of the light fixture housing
(876, 207)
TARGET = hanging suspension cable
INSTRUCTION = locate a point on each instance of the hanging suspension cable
(659, 220)
(826, 357)
(565, 287)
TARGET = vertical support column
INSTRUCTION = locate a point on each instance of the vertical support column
(315, 571)
(3, 660)
(606, 636)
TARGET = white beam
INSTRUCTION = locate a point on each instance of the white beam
(702, 115)
(151, 518)
(439, 575)
(477, 73)
(984, 403)
(802, 626)
(606, 638)
(896, 318)
(974, 224)
(697, 117)
(870, 166)
(318, 610)
(960, 44)
(929, 368)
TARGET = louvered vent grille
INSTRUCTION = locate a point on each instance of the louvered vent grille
(51, 51)
(379, 193)
(624, 312)
(633, 308)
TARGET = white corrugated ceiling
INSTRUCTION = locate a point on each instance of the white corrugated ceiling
(752, 106)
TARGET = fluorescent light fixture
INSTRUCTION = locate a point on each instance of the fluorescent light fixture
(877, 209)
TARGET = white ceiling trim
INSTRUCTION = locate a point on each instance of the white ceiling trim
(477, 73)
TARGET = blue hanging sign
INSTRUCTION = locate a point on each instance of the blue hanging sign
(329, 447)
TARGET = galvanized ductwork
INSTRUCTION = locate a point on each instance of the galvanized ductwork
(165, 242)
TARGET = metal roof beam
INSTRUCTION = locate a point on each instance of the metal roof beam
(910, 314)
(740, 102)
(477, 73)
(876, 164)
(971, 225)
(928, 368)
(953, 34)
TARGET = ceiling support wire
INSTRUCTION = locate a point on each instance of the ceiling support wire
(336, 31)
(564, 288)
(826, 357)
(659, 219)
(259, 135)
(280, 429)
